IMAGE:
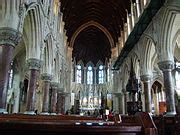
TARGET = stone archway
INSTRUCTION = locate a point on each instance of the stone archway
(92, 23)
(158, 98)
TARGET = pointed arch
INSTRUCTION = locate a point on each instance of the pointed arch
(99, 63)
(90, 63)
(80, 63)
(33, 31)
(92, 23)
(176, 45)
(169, 28)
(135, 60)
(147, 55)
(48, 59)
(125, 72)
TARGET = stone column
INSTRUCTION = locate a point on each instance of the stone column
(138, 7)
(166, 67)
(34, 67)
(9, 38)
(54, 86)
(61, 103)
(118, 104)
(46, 78)
(125, 100)
(121, 103)
(146, 79)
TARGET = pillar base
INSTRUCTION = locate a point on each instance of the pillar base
(170, 114)
(3, 111)
(30, 112)
(53, 114)
(44, 113)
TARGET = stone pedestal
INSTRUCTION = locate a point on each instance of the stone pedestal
(34, 66)
(146, 79)
(9, 38)
(46, 85)
(166, 67)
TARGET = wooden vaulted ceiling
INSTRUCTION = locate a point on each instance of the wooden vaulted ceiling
(92, 44)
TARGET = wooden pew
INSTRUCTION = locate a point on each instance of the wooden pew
(167, 125)
(147, 123)
(66, 125)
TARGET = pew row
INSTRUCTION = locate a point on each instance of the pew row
(55, 125)
(167, 125)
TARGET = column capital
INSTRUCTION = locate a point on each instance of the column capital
(117, 94)
(9, 36)
(62, 93)
(114, 71)
(124, 91)
(145, 78)
(54, 85)
(61, 90)
(46, 77)
(166, 65)
(33, 63)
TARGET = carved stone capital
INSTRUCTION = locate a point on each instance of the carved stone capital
(124, 91)
(9, 36)
(118, 94)
(54, 85)
(166, 65)
(62, 93)
(34, 63)
(145, 78)
(61, 90)
(46, 77)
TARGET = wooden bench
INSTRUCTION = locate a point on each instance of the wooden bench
(167, 125)
(66, 125)
(147, 123)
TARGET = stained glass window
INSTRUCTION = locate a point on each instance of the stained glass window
(89, 75)
(79, 74)
(101, 75)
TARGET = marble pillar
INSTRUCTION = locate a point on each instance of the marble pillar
(34, 67)
(146, 79)
(54, 87)
(166, 67)
(9, 38)
(46, 78)
(61, 103)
